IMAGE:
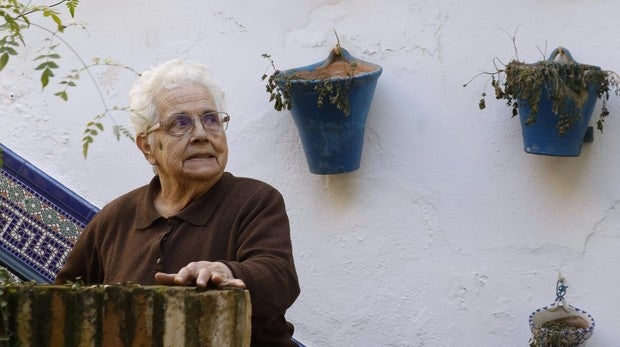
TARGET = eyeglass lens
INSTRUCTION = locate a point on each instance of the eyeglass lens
(183, 123)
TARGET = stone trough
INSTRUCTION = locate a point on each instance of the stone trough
(124, 315)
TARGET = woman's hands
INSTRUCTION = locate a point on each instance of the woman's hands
(201, 273)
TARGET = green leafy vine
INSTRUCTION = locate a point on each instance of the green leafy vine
(281, 97)
(17, 18)
(336, 91)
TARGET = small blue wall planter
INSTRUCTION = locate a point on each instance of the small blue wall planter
(332, 140)
(542, 136)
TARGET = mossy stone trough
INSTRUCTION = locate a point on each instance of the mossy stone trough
(124, 315)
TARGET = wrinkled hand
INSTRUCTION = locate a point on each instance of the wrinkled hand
(201, 273)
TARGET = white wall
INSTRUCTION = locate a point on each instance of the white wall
(449, 234)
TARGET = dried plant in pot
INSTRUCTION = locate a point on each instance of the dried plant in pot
(554, 99)
(560, 324)
(329, 102)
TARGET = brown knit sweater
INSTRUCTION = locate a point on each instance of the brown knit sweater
(241, 222)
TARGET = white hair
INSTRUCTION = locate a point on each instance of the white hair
(169, 75)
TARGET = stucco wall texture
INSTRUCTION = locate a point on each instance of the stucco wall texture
(449, 234)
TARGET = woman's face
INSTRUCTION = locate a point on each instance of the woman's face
(199, 155)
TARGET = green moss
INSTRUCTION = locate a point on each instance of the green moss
(192, 312)
(120, 299)
(72, 321)
(158, 318)
(9, 307)
(41, 317)
(98, 318)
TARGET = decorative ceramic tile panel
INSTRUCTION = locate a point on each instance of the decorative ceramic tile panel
(40, 219)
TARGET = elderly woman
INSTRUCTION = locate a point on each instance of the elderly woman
(194, 223)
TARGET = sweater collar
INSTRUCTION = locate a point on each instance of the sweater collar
(197, 212)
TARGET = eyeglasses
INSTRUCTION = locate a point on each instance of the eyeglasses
(182, 124)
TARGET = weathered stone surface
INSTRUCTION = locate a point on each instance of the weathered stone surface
(125, 315)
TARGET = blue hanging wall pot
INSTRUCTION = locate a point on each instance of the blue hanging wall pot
(540, 131)
(330, 102)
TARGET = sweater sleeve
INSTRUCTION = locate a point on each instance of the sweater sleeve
(264, 259)
(82, 262)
